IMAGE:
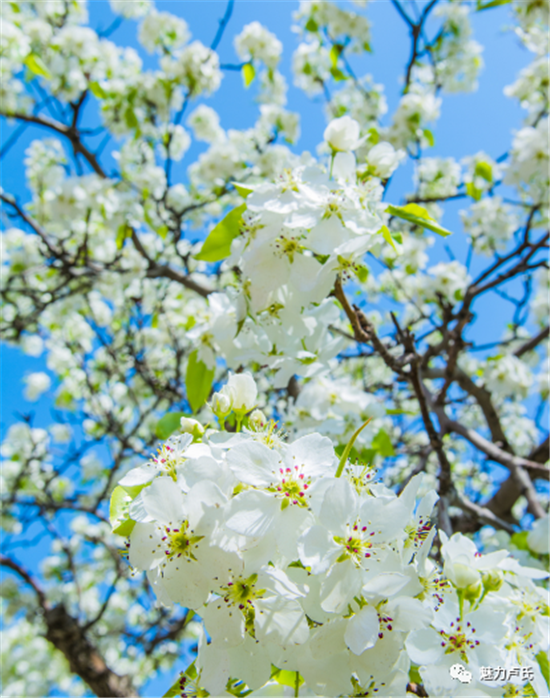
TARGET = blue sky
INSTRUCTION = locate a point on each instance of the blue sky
(479, 121)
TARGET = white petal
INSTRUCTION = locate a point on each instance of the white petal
(423, 646)
(139, 476)
(163, 500)
(280, 620)
(137, 510)
(254, 463)
(277, 582)
(186, 583)
(387, 584)
(146, 550)
(251, 513)
(317, 549)
(339, 506)
(224, 623)
(251, 663)
(362, 630)
(341, 584)
(314, 451)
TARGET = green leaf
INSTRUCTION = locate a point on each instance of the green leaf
(249, 73)
(387, 236)
(520, 540)
(493, 3)
(362, 273)
(429, 136)
(130, 118)
(97, 90)
(243, 189)
(217, 245)
(337, 74)
(473, 191)
(311, 25)
(542, 659)
(397, 236)
(335, 52)
(198, 381)
(124, 231)
(118, 512)
(382, 444)
(419, 216)
(399, 411)
(176, 689)
(374, 136)
(485, 171)
(168, 424)
(35, 65)
(285, 677)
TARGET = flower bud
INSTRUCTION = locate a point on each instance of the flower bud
(221, 404)
(384, 159)
(342, 134)
(191, 426)
(257, 420)
(492, 581)
(461, 576)
(243, 391)
(472, 592)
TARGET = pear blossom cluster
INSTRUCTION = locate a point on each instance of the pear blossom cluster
(163, 262)
(299, 561)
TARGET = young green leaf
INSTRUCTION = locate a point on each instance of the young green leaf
(544, 664)
(382, 444)
(198, 381)
(485, 171)
(419, 216)
(243, 189)
(35, 65)
(168, 424)
(335, 52)
(387, 236)
(249, 73)
(488, 5)
(119, 519)
(429, 136)
(217, 245)
(473, 191)
(97, 90)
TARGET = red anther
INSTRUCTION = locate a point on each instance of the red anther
(364, 528)
(301, 494)
(287, 494)
(389, 627)
(380, 635)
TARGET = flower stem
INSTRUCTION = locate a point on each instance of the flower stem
(297, 685)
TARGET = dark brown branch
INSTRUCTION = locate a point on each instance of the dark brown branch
(482, 397)
(68, 131)
(66, 635)
(533, 342)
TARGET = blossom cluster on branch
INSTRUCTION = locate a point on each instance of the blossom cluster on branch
(306, 569)
(164, 269)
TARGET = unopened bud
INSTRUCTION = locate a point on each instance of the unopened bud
(492, 581)
(221, 404)
(257, 420)
(472, 592)
(191, 426)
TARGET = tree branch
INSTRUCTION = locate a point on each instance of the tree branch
(67, 636)
(533, 342)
